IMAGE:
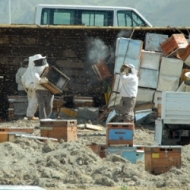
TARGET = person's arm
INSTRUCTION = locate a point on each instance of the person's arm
(125, 78)
(18, 76)
(39, 80)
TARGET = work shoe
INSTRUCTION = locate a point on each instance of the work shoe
(33, 118)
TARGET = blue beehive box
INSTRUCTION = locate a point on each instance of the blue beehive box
(129, 153)
(120, 136)
(140, 156)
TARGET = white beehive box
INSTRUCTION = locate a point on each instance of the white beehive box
(116, 86)
(176, 107)
(171, 67)
(128, 51)
(150, 60)
(157, 95)
(128, 48)
(119, 61)
(144, 96)
(148, 78)
(167, 83)
(153, 41)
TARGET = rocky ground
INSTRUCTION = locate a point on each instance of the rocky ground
(72, 165)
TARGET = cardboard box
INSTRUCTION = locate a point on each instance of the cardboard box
(160, 159)
(59, 129)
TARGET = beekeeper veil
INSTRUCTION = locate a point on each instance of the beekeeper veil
(132, 67)
(27, 78)
(40, 63)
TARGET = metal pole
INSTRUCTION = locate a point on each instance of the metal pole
(9, 11)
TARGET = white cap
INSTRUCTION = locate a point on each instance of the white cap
(37, 57)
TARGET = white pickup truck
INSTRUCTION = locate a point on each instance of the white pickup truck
(174, 125)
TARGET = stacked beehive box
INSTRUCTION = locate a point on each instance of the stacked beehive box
(165, 56)
(119, 140)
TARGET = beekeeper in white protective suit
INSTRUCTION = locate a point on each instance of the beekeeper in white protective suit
(128, 91)
(28, 84)
(45, 97)
(18, 77)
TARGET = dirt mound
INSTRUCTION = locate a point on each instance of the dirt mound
(72, 164)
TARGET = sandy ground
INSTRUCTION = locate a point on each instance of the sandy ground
(72, 165)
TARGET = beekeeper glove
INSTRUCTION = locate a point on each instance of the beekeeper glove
(44, 80)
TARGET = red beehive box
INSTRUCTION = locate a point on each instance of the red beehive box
(59, 129)
(119, 133)
(101, 70)
(183, 54)
(94, 147)
(161, 159)
(98, 149)
(174, 42)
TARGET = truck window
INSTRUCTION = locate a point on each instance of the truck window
(65, 17)
(58, 17)
(97, 18)
(129, 18)
(76, 17)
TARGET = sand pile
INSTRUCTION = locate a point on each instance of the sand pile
(72, 164)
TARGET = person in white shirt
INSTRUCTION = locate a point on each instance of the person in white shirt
(128, 91)
(18, 77)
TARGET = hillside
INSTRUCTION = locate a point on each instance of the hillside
(160, 13)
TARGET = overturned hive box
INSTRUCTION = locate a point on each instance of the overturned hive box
(101, 70)
(174, 42)
(56, 80)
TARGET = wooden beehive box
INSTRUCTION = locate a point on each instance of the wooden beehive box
(98, 149)
(119, 133)
(182, 78)
(94, 147)
(4, 137)
(82, 101)
(17, 129)
(183, 54)
(56, 80)
(128, 153)
(101, 70)
(59, 129)
(174, 42)
(10, 114)
(160, 159)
